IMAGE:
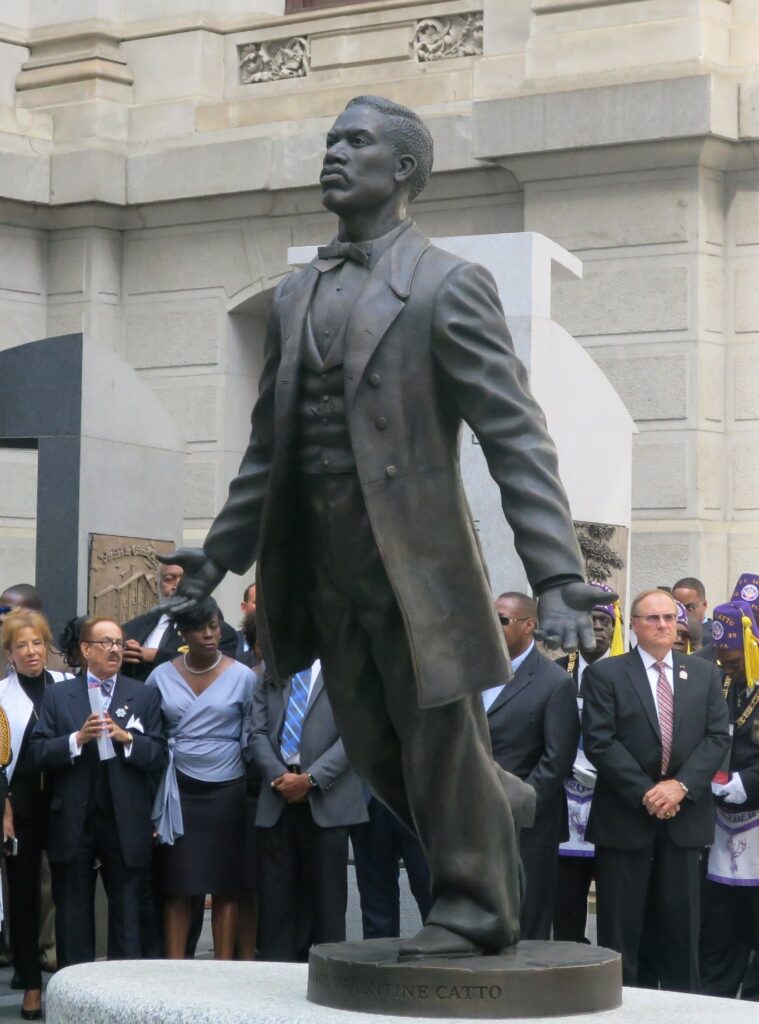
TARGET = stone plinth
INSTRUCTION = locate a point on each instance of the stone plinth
(530, 979)
(206, 992)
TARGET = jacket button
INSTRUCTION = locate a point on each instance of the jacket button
(375, 380)
(391, 471)
(380, 423)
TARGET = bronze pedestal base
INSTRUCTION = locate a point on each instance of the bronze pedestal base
(532, 979)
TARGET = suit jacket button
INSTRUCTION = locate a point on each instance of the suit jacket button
(375, 380)
(380, 423)
(391, 471)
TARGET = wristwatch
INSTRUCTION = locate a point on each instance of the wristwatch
(312, 781)
(130, 741)
(682, 786)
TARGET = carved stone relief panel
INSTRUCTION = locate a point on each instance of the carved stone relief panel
(273, 60)
(458, 35)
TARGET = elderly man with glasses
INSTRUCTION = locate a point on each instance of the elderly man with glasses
(100, 744)
(655, 727)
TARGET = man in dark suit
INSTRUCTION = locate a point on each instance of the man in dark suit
(730, 928)
(655, 727)
(691, 593)
(350, 493)
(534, 731)
(309, 799)
(152, 638)
(100, 810)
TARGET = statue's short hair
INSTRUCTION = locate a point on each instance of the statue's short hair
(409, 135)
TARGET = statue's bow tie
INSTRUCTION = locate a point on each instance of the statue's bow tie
(346, 251)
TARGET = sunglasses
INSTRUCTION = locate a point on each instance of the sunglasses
(5, 608)
(506, 620)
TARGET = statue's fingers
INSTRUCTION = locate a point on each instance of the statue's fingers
(569, 640)
(587, 637)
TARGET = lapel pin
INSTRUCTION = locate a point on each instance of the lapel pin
(682, 674)
(121, 712)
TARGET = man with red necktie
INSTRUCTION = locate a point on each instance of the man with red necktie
(655, 727)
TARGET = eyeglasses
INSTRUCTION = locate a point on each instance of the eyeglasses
(107, 643)
(652, 620)
(506, 620)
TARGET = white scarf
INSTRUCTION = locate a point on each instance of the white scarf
(19, 710)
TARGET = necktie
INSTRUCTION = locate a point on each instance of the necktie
(665, 707)
(346, 251)
(296, 709)
(106, 688)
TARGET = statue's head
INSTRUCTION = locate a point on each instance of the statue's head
(375, 149)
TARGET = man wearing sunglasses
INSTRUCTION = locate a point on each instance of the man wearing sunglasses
(534, 731)
(655, 727)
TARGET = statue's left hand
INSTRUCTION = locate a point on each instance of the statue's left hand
(201, 576)
(564, 615)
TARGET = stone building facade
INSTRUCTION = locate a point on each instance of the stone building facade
(157, 160)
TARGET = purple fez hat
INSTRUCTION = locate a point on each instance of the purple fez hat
(607, 609)
(747, 589)
(682, 616)
(727, 625)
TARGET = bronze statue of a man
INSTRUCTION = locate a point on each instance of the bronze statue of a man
(349, 497)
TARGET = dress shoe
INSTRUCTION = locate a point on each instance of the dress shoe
(36, 1013)
(436, 941)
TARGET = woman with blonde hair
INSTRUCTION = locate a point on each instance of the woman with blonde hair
(25, 640)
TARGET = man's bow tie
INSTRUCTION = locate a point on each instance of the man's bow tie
(346, 251)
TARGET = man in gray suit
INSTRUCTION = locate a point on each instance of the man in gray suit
(350, 498)
(309, 798)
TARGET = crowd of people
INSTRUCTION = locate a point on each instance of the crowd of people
(164, 758)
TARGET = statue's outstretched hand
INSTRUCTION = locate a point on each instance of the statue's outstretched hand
(564, 615)
(201, 576)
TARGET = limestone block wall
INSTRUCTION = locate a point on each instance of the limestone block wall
(155, 165)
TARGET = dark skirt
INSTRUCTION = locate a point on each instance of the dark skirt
(208, 857)
(252, 792)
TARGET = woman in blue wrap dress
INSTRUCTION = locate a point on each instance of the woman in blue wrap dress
(200, 806)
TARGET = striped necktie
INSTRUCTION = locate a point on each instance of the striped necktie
(665, 707)
(296, 710)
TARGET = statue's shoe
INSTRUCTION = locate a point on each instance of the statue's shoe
(436, 941)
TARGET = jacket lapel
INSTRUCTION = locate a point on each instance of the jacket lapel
(522, 678)
(639, 679)
(81, 702)
(316, 689)
(280, 709)
(381, 301)
(293, 323)
(119, 701)
(680, 701)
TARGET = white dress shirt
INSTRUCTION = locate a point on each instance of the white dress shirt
(156, 635)
(649, 662)
(489, 697)
(74, 748)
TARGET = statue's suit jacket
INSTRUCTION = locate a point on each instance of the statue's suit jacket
(622, 739)
(426, 348)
